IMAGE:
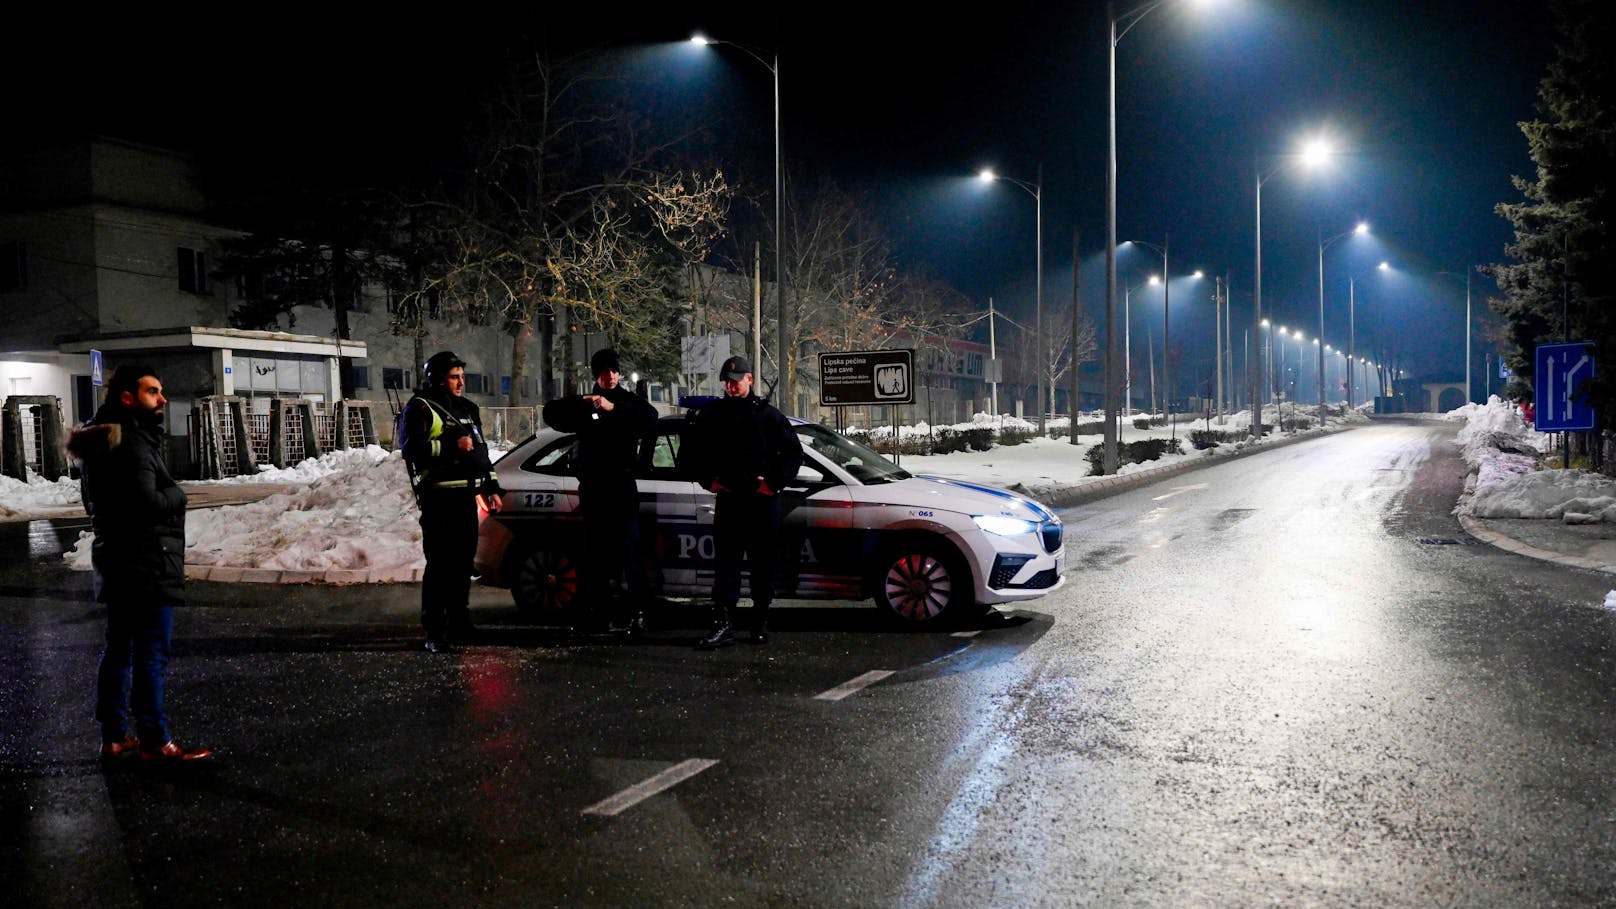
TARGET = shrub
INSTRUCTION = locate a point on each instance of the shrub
(1014, 437)
(1133, 453)
(1208, 438)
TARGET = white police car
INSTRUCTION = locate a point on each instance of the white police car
(855, 524)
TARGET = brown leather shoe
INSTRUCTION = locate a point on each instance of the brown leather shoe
(111, 751)
(174, 752)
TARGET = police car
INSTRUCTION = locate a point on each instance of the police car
(855, 527)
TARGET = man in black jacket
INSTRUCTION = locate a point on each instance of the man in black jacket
(609, 421)
(746, 452)
(441, 435)
(138, 512)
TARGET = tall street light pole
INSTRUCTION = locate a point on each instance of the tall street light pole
(1313, 153)
(1468, 397)
(1359, 230)
(784, 396)
(1036, 190)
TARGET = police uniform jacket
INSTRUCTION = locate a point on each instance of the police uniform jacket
(135, 506)
(429, 432)
(741, 439)
(608, 441)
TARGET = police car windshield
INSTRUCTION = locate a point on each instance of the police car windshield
(863, 464)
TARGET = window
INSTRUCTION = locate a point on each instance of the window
(13, 265)
(193, 265)
(361, 376)
(394, 378)
(477, 383)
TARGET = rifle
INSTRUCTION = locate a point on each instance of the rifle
(394, 401)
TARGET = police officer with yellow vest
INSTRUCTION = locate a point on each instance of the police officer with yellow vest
(441, 435)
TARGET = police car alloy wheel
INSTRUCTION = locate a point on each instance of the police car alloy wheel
(545, 586)
(920, 583)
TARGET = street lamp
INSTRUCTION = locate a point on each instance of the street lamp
(1314, 153)
(1361, 229)
(783, 328)
(1468, 398)
(1127, 343)
(1036, 190)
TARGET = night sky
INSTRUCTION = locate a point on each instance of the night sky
(1422, 99)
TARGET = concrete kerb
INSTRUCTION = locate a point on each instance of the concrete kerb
(1068, 495)
(1476, 528)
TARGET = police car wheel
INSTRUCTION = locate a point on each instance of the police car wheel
(920, 583)
(545, 586)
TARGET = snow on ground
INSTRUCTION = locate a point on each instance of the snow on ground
(1510, 479)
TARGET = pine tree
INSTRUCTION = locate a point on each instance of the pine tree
(1557, 283)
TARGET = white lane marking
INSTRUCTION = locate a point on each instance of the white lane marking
(1178, 490)
(853, 686)
(639, 792)
(966, 634)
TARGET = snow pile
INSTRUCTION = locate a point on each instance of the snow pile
(359, 515)
(17, 497)
(311, 469)
(1509, 484)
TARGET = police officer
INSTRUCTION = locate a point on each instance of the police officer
(610, 421)
(441, 435)
(746, 452)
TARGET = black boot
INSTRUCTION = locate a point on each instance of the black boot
(760, 623)
(723, 633)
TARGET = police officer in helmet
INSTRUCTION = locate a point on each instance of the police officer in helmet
(441, 435)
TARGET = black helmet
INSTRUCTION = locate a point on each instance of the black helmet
(436, 371)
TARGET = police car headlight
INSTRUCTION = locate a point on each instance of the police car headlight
(1003, 526)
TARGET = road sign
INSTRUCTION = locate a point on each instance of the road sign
(867, 377)
(95, 369)
(1503, 371)
(1562, 369)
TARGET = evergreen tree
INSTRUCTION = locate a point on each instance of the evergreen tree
(1557, 283)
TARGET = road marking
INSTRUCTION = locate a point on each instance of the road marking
(639, 792)
(853, 686)
(966, 634)
(1180, 490)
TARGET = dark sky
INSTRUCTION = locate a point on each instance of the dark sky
(903, 104)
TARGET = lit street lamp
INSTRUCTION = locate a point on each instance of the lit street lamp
(1313, 154)
(1358, 231)
(783, 398)
(1036, 190)
(1127, 344)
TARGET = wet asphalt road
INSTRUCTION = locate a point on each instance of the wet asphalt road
(1285, 679)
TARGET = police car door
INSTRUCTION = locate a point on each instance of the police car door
(675, 540)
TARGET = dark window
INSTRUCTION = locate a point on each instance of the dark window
(394, 378)
(13, 265)
(193, 270)
(361, 376)
(476, 383)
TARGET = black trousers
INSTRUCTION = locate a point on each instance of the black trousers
(449, 538)
(746, 524)
(610, 506)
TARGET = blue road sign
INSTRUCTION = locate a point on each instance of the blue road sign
(95, 368)
(1561, 371)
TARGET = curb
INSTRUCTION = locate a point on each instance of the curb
(1071, 495)
(226, 574)
(1510, 544)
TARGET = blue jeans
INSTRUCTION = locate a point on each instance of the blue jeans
(133, 666)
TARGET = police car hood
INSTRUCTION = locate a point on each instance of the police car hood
(957, 496)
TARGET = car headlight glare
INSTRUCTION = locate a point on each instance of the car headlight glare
(1003, 526)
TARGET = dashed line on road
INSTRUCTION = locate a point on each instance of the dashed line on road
(639, 792)
(966, 634)
(853, 685)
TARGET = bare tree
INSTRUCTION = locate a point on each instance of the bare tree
(572, 210)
